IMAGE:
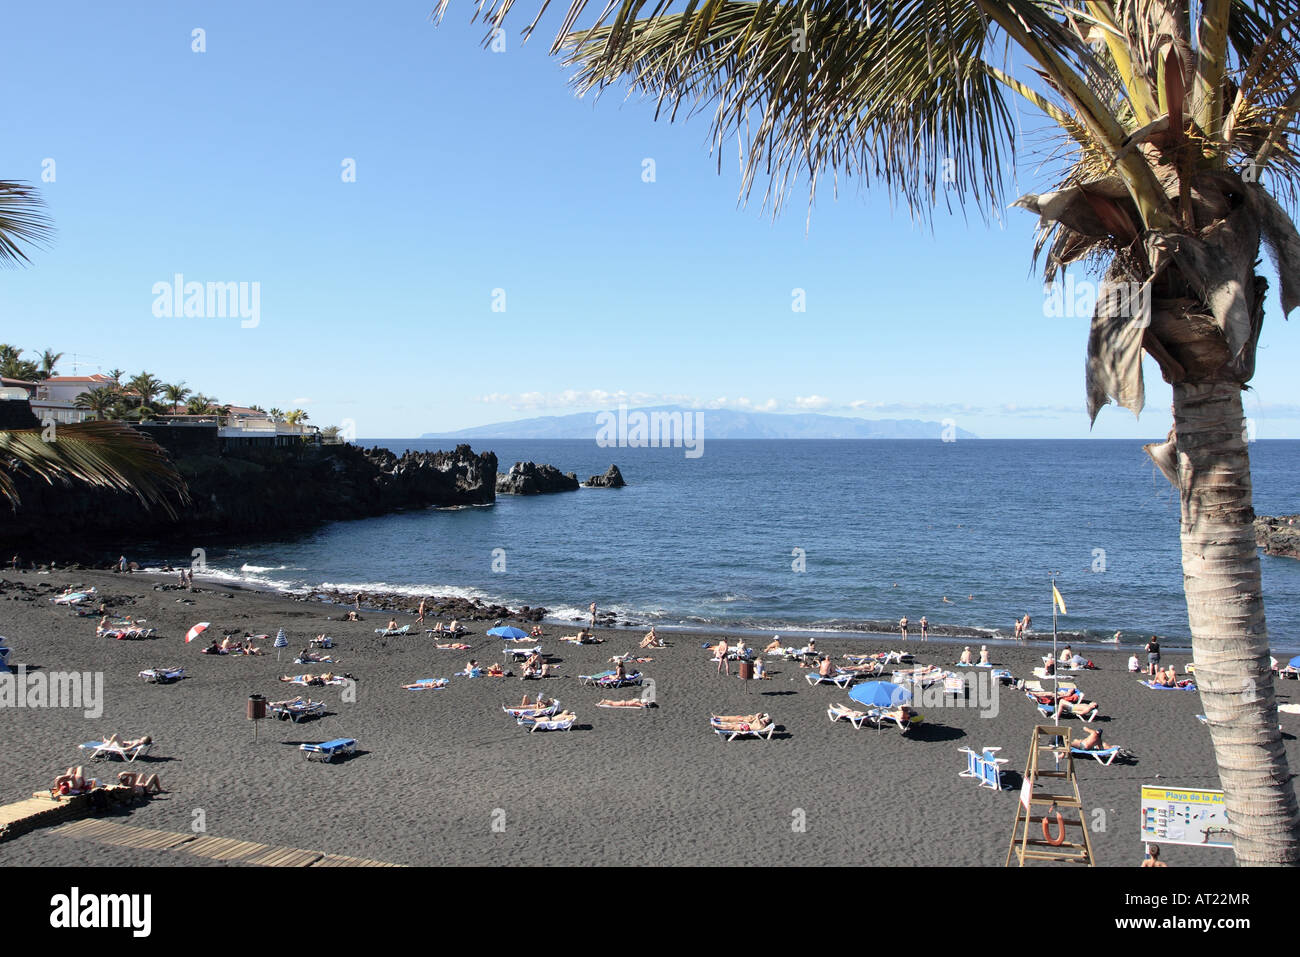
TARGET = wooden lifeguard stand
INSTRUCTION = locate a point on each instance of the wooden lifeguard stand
(1049, 794)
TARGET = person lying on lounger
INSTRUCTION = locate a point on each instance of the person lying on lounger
(454, 646)
(773, 645)
(539, 703)
(140, 742)
(630, 703)
(304, 679)
(141, 782)
(902, 714)
(1091, 741)
(742, 722)
(1079, 708)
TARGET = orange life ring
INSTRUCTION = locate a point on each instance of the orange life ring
(1060, 834)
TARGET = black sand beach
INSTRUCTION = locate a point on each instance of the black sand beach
(444, 777)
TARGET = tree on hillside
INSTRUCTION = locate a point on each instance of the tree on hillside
(1175, 124)
(100, 401)
(176, 394)
(13, 366)
(146, 387)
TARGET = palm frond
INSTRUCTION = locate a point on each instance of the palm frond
(102, 454)
(22, 222)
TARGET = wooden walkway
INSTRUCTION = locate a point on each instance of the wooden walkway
(43, 809)
(225, 850)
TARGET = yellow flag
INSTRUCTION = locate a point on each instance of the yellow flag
(1058, 600)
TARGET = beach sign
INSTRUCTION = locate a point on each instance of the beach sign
(1184, 816)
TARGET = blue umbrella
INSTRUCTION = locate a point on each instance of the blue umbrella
(880, 694)
(1294, 662)
(505, 631)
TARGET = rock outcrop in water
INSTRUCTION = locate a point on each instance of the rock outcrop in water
(237, 493)
(1278, 535)
(529, 478)
(612, 478)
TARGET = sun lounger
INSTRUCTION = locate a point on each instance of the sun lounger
(102, 749)
(879, 718)
(1103, 755)
(72, 599)
(428, 684)
(329, 750)
(531, 711)
(612, 681)
(550, 723)
(841, 679)
(1181, 686)
(323, 642)
(837, 711)
(315, 659)
(162, 676)
(391, 632)
(742, 730)
(296, 710)
(519, 654)
(1003, 675)
(302, 680)
(985, 766)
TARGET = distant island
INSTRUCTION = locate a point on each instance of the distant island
(720, 424)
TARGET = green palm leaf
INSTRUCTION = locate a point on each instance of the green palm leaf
(102, 454)
(22, 221)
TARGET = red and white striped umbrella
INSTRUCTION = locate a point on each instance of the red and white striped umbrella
(194, 632)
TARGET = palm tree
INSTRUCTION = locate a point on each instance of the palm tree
(276, 415)
(1175, 121)
(176, 394)
(198, 405)
(146, 387)
(296, 417)
(49, 358)
(13, 366)
(99, 401)
(116, 376)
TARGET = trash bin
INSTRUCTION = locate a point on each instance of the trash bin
(746, 670)
(256, 707)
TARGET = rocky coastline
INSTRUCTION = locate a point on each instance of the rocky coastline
(1278, 535)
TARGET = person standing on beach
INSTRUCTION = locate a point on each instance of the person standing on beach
(902, 626)
(1153, 655)
(925, 628)
(723, 661)
(420, 618)
(121, 564)
(593, 616)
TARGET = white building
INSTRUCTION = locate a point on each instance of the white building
(56, 397)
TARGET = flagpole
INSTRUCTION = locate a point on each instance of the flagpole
(1056, 677)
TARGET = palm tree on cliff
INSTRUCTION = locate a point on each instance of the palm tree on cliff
(146, 387)
(49, 359)
(1175, 123)
(97, 453)
(296, 417)
(99, 401)
(176, 394)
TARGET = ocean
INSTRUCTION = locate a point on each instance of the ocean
(805, 536)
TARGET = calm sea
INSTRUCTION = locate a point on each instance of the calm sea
(768, 536)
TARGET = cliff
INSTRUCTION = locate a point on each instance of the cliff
(246, 491)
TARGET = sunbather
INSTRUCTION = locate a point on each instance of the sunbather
(392, 625)
(454, 646)
(1078, 708)
(541, 702)
(826, 668)
(651, 640)
(742, 722)
(141, 782)
(1091, 741)
(630, 703)
(965, 658)
(984, 655)
(773, 645)
(114, 741)
(535, 666)
(74, 781)
(902, 714)
(307, 679)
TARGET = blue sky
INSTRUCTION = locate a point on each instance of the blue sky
(478, 171)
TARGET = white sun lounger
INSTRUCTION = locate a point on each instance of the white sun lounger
(856, 718)
(1103, 755)
(162, 676)
(731, 734)
(531, 711)
(297, 709)
(841, 679)
(547, 724)
(102, 749)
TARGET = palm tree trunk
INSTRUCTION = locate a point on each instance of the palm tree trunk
(1225, 608)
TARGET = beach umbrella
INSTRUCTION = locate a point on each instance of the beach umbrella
(1294, 662)
(281, 641)
(880, 694)
(505, 631)
(197, 630)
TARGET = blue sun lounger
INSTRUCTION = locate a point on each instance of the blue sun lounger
(329, 750)
(389, 633)
(1103, 755)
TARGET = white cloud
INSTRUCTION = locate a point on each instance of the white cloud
(811, 402)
